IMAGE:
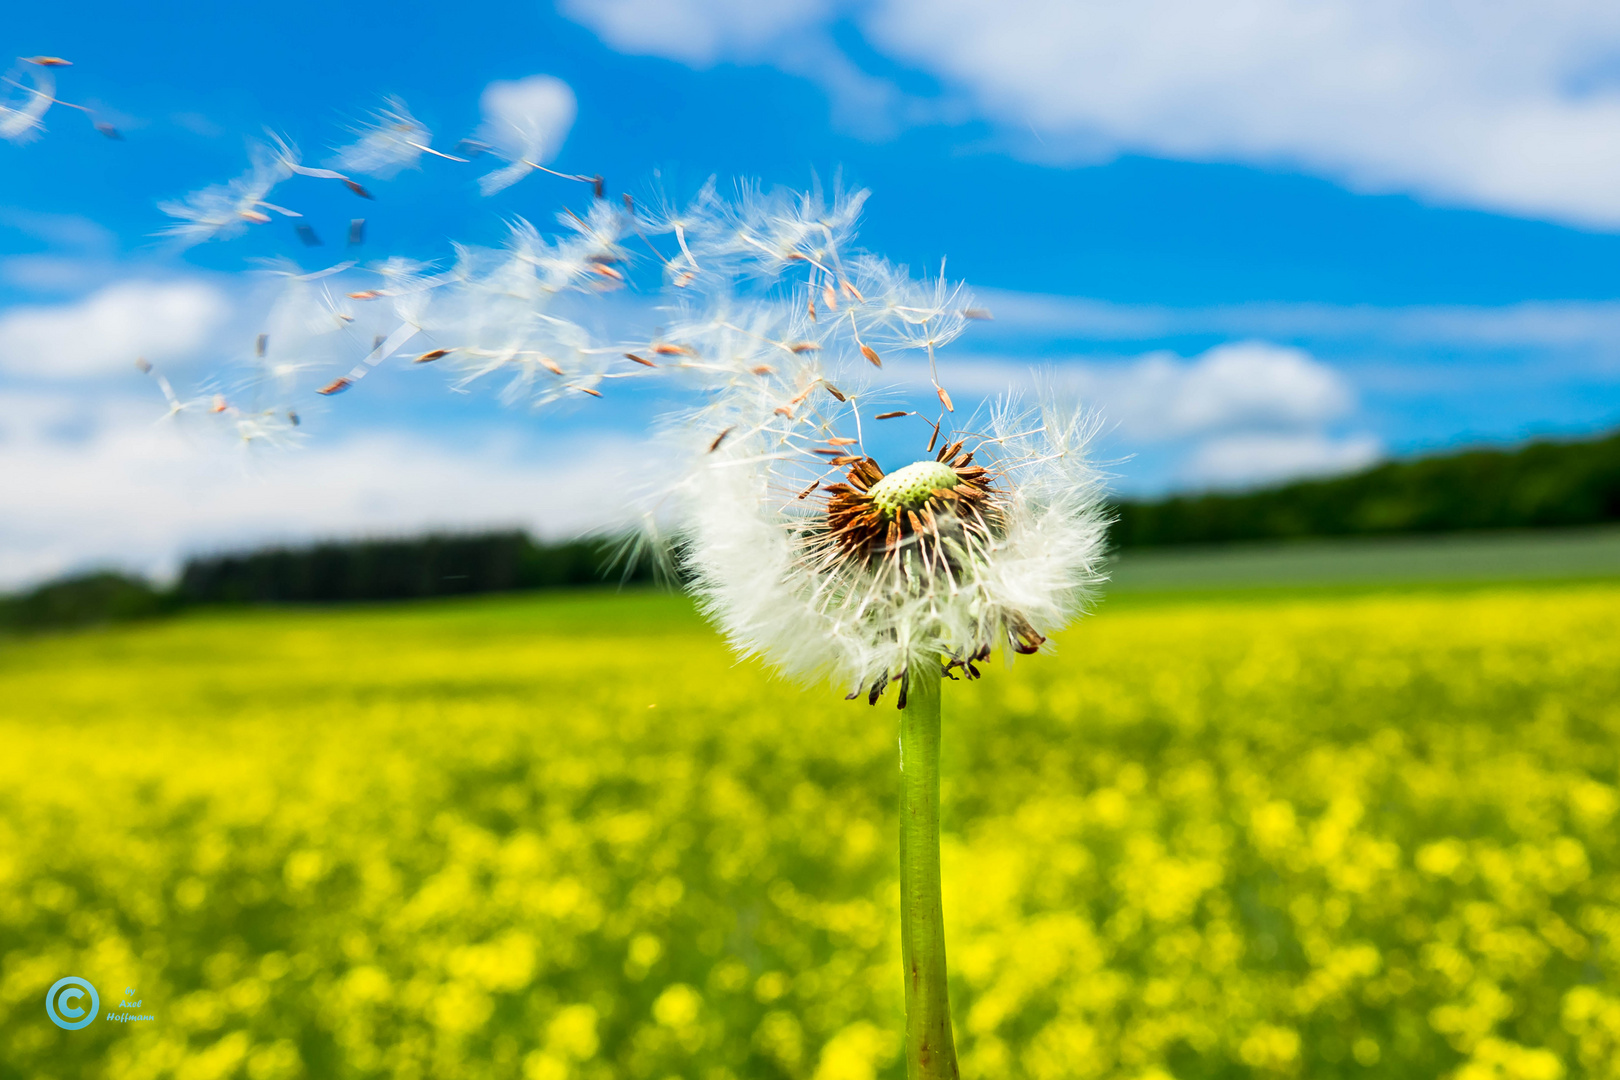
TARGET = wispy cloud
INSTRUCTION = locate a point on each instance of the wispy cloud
(1507, 107)
(1559, 324)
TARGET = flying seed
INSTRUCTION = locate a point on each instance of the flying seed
(672, 350)
(588, 390)
(853, 291)
(829, 297)
(640, 360)
(550, 365)
(762, 369)
(839, 440)
(431, 355)
(254, 216)
(336, 386)
(809, 489)
(834, 391)
(364, 294)
(977, 313)
(871, 354)
(890, 415)
(718, 439)
(804, 347)
(109, 131)
(220, 404)
(357, 189)
(946, 398)
(47, 61)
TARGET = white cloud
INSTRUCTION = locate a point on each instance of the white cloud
(1256, 458)
(97, 483)
(1510, 106)
(1245, 384)
(109, 329)
(1161, 397)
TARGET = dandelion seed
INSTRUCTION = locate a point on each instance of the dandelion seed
(357, 189)
(392, 141)
(47, 61)
(643, 361)
(891, 415)
(718, 439)
(336, 386)
(431, 355)
(219, 211)
(977, 313)
(871, 355)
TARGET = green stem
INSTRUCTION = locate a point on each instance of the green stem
(930, 1049)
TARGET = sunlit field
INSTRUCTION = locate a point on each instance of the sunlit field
(1363, 834)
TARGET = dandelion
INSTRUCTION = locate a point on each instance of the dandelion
(808, 553)
(393, 140)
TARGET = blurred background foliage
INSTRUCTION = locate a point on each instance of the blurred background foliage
(1540, 484)
(1331, 834)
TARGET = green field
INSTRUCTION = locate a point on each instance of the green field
(1263, 833)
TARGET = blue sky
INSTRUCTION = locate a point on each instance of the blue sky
(1259, 247)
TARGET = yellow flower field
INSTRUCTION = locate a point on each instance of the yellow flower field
(568, 836)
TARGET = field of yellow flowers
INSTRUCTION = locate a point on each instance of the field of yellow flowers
(1367, 835)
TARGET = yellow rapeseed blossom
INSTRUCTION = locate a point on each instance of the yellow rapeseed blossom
(565, 837)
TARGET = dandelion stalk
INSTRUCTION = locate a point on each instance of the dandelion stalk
(930, 1049)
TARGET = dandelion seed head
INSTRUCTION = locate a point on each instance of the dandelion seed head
(911, 486)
